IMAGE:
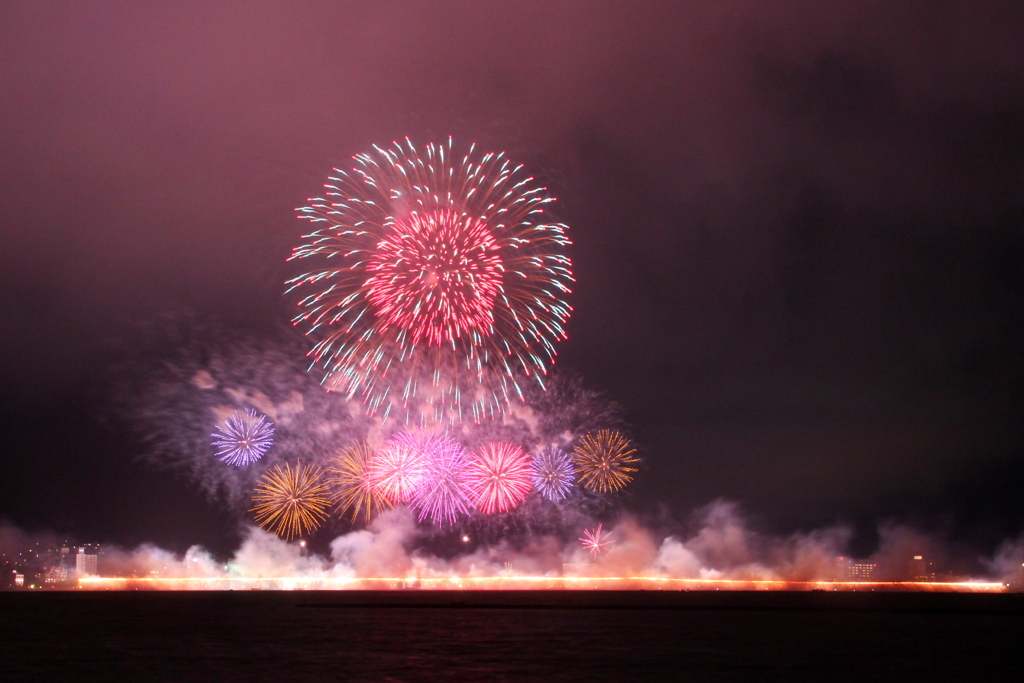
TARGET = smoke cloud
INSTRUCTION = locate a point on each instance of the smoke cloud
(1007, 564)
(722, 546)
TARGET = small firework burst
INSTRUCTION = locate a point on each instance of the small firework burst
(443, 494)
(398, 468)
(348, 475)
(291, 502)
(593, 542)
(603, 460)
(244, 438)
(552, 473)
(499, 476)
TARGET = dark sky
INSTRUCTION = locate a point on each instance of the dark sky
(798, 226)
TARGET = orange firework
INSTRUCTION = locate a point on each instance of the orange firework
(291, 502)
(349, 478)
(603, 460)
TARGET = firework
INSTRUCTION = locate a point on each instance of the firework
(442, 495)
(244, 438)
(348, 476)
(552, 473)
(602, 460)
(438, 277)
(291, 502)
(499, 477)
(398, 468)
(592, 541)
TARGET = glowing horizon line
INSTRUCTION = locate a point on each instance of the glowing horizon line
(458, 581)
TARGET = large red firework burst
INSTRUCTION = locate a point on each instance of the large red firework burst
(439, 277)
(436, 276)
(500, 476)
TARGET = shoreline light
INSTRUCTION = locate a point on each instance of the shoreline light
(525, 583)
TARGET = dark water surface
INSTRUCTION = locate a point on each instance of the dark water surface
(421, 636)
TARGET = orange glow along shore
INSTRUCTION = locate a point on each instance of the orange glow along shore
(520, 583)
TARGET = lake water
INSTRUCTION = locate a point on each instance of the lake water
(282, 636)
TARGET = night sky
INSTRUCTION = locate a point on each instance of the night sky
(798, 228)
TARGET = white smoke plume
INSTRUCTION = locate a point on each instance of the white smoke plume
(725, 547)
(721, 547)
(1007, 564)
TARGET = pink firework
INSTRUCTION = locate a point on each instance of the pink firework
(593, 542)
(397, 469)
(500, 475)
(443, 493)
(436, 275)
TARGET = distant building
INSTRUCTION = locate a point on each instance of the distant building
(861, 571)
(19, 579)
(849, 569)
(85, 564)
(920, 569)
(55, 575)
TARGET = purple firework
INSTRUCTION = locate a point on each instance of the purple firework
(442, 495)
(553, 473)
(244, 438)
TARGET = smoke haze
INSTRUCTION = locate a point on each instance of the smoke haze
(722, 545)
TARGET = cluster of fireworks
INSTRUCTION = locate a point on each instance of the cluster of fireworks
(438, 477)
(435, 300)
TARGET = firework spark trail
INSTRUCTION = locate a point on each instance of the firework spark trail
(443, 494)
(244, 438)
(430, 266)
(291, 502)
(553, 473)
(592, 541)
(348, 475)
(398, 468)
(602, 460)
(500, 476)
